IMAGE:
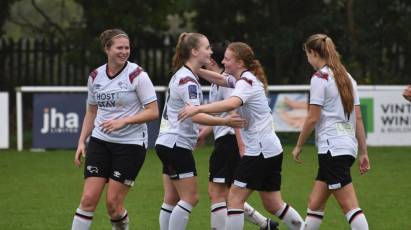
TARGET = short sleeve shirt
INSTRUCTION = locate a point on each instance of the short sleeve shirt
(121, 96)
(335, 131)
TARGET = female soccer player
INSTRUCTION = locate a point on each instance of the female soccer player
(121, 99)
(177, 139)
(226, 155)
(335, 113)
(260, 167)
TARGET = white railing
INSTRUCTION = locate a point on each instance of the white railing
(68, 89)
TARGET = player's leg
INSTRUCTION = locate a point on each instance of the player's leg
(235, 213)
(316, 205)
(127, 160)
(348, 202)
(96, 174)
(218, 193)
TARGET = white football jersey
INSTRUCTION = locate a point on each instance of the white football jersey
(123, 95)
(258, 135)
(335, 131)
(183, 89)
(218, 93)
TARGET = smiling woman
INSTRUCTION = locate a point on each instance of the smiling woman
(117, 147)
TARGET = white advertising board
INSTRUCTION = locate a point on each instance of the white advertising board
(4, 120)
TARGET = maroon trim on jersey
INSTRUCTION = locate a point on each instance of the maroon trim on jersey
(246, 80)
(93, 74)
(321, 75)
(185, 80)
(135, 74)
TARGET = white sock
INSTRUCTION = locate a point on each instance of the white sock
(357, 219)
(313, 219)
(179, 216)
(235, 219)
(121, 223)
(82, 220)
(254, 216)
(164, 217)
(290, 217)
(218, 216)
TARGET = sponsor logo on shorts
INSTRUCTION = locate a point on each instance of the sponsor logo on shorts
(218, 180)
(116, 174)
(92, 169)
(185, 175)
(334, 186)
(240, 184)
(129, 182)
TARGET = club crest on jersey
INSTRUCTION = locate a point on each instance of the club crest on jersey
(122, 85)
(192, 92)
(97, 86)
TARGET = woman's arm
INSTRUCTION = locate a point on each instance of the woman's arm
(87, 128)
(215, 107)
(313, 117)
(149, 113)
(362, 146)
(232, 120)
(213, 77)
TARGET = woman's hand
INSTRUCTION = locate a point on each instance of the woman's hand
(364, 163)
(81, 152)
(188, 111)
(112, 125)
(296, 154)
(235, 121)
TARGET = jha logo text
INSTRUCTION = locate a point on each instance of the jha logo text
(57, 122)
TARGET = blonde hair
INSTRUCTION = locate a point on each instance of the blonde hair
(107, 36)
(324, 46)
(186, 42)
(243, 52)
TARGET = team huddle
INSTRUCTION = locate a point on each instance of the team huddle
(247, 153)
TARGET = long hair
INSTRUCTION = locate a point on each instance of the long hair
(186, 42)
(106, 37)
(324, 46)
(243, 52)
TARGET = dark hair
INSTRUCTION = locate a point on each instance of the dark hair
(186, 42)
(106, 38)
(324, 46)
(243, 52)
(218, 49)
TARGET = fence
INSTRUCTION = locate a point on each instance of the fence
(52, 62)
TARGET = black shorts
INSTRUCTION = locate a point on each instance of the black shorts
(178, 163)
(120, 162)
(259, 173)
(335, 171)
(224, 160)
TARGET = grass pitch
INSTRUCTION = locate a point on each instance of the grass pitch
(42, 191)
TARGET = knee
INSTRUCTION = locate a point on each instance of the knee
(273, 206)
(114, 206)
(216, 196)
(88, 202)
(315, 205)
(235, 201)
(171, 199)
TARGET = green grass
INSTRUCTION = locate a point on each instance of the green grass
(42, 191)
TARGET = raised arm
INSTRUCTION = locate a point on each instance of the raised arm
(213, 77)
(215, 107)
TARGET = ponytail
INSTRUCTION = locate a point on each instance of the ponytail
(186, 42)
(324, 46)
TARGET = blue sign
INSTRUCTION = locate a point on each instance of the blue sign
(57, 119)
